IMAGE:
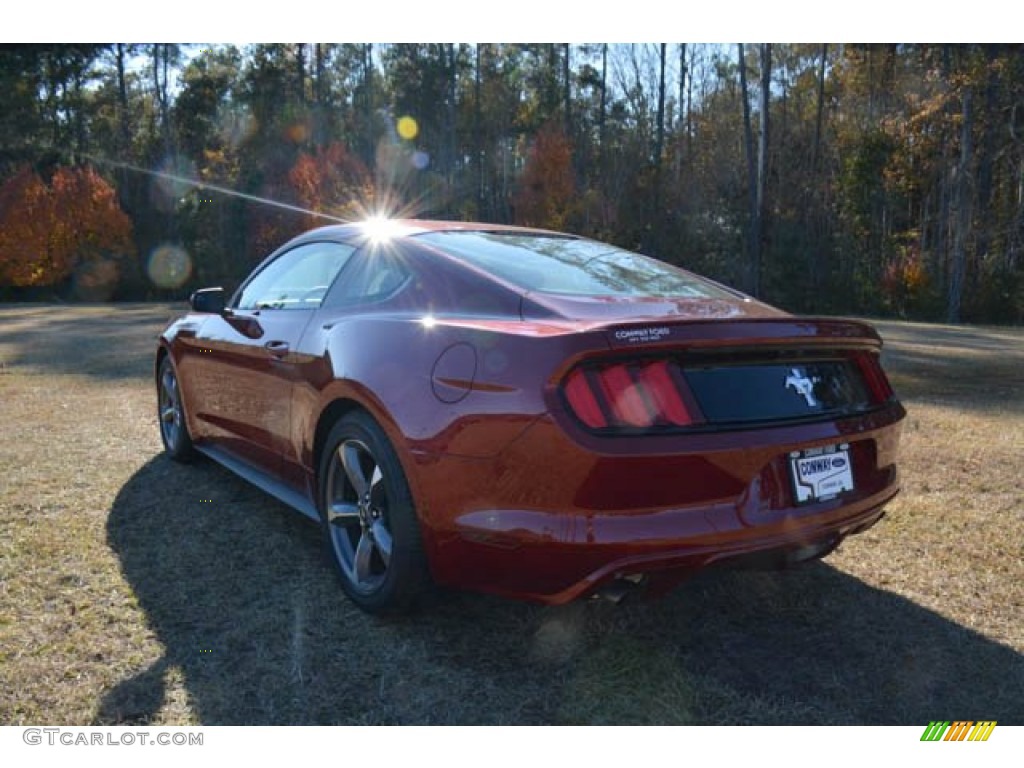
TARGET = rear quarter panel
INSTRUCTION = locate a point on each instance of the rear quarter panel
(456, 387)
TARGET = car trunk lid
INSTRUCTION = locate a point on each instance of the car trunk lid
(670, 374)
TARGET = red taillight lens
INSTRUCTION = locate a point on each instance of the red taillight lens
(630, 395)
(874, 377)
(624, 398)
(656, 380)
(582, 400)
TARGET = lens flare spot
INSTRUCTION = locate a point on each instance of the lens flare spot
(407, 128)
(297, 133)
(235, 126)
(169, 266)
(175, 179)
(96, 279)
(420, 160)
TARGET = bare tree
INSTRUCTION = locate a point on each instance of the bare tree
(567, 89)
(753, 232)
(604, 96)
(368, 143)
(682, 83)
(300, 71)
(762, 165)
(478, 149)
(123, 117)
(450, 54)
(963, 211)
(659, 142)
(160, 52)
(816, 153)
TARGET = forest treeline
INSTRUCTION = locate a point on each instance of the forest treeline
(874, 179)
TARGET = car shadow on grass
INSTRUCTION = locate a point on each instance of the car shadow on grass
(236, 590)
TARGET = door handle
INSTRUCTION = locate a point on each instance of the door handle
(277, 348)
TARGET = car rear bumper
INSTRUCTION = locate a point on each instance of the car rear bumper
(556, 574)
(552, 521)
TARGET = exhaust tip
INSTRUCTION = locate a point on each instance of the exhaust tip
(621, 588)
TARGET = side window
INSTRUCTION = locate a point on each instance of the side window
(374, 276)
(298, 279)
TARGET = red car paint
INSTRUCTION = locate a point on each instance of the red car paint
(515, 494)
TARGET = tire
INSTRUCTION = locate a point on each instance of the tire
(171, 414)
(369, 518)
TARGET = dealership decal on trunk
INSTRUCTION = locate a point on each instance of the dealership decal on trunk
(641, 335)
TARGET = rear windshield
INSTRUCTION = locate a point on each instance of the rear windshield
(569, 265)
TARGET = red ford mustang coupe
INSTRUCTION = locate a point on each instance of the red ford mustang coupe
(528, 413)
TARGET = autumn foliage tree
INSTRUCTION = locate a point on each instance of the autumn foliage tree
(48, 231)
(26, 216)
(546, 188)
(269, 226)
(330, 180)
(334, 181)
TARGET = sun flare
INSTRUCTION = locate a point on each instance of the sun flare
(380, 229)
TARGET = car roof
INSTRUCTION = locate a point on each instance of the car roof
(403, 228)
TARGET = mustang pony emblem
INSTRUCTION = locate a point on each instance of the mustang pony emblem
(803, 385)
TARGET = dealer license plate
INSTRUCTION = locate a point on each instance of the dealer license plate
(821, 473)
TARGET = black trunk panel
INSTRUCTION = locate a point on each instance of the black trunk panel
(777, 391)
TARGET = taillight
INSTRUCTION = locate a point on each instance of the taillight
(582, 400)
(657, 381)
(874, 377)
(634, 395)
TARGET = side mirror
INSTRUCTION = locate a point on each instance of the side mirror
(208, 300)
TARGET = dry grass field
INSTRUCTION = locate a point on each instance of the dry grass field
(135, 590)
